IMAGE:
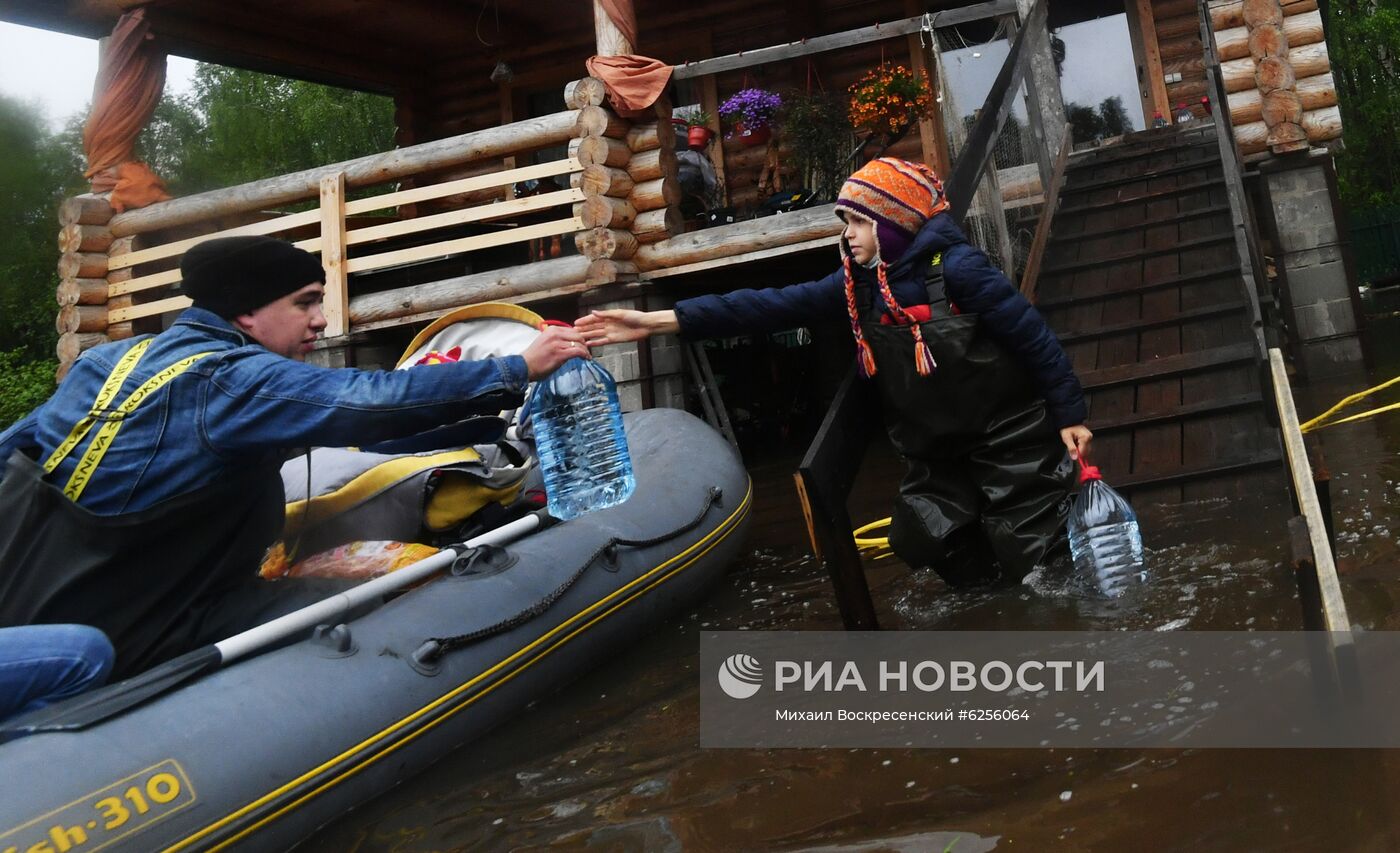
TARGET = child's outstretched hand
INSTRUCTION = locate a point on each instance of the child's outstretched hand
(620, 325)
(1076, 439)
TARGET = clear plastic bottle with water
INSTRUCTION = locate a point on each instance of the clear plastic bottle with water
(580, 440)
(1104, 536)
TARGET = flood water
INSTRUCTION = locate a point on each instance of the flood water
(612, 762)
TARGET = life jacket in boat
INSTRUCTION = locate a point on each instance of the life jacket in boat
(437, 493)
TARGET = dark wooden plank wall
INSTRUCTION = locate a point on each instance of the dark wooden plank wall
(1143, 286)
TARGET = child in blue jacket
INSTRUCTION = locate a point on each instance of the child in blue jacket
(979, 397)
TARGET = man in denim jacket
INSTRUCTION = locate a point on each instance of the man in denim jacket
(141, 497)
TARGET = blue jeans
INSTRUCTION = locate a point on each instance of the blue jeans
(40, 664)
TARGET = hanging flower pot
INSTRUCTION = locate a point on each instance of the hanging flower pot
(751, 112)
(889, 100)
(752, 136)
(698, 137)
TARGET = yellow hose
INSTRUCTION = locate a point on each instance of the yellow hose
(1321, 420)
(865, 543)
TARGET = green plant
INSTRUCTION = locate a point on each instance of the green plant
(698, 118)
(818, 134)
(24, 384)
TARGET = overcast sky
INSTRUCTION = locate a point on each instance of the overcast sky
(57, 71)
(1098, 64)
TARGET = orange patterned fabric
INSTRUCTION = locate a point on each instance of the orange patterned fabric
(129, 85)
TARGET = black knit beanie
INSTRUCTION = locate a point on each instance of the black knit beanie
(238, 275)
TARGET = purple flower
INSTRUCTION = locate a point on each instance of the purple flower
(753, 107)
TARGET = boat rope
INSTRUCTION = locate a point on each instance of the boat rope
(1322, 420)
(434, 648)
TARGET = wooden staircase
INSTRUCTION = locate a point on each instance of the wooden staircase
(1142, 281)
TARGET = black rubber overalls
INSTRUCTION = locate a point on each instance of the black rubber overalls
(987, 490)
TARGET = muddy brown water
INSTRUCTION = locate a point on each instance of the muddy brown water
(612, 761)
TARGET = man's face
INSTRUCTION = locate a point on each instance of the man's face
(290, 325)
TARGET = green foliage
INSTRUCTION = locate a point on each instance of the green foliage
(1114, 117)
(818, 133)
(698, 118)
(239, 126)
(1364, 45)
(35, 173)
(25, 382)
(1109, 120)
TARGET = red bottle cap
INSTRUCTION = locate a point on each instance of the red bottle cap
(1088, 472)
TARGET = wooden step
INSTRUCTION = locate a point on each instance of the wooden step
(1073, 188)
(1191, 410)
(1154, 323)
(1057, 239)
(1266, 457)
(1168, 366)
(1138, 254)
(1077, 299)
(1155, 195)
(1118, 154)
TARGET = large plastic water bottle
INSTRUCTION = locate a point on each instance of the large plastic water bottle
(579, 437)
(1104, 536)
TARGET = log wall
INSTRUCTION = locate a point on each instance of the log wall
(1273, 59)
(83, 242)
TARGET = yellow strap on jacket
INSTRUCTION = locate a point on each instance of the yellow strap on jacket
(111, 418)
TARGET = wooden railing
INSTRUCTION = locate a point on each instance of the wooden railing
(333, 217)
(617, 194)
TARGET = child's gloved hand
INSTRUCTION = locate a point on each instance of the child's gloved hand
(1076, 439)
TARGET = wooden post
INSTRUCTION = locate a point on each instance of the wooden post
(1051, 195)
(933, 136)
(709, 102)
(824, 480)
(337, 303)
(507, 97)
(1152, 84)
(610, 37)
(1334, 606)
(1045, 104)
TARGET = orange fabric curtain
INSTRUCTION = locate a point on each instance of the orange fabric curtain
(129, 85)
(634, 82)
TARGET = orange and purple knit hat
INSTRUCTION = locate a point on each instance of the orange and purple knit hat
(898, 197)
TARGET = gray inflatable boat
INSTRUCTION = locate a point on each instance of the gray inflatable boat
(259, 754)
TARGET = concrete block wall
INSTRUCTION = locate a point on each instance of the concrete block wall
(1312, 259)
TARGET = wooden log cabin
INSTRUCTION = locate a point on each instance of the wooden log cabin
(514, 179)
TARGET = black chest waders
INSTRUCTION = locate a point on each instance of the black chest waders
(159, 581)
(988, 483)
